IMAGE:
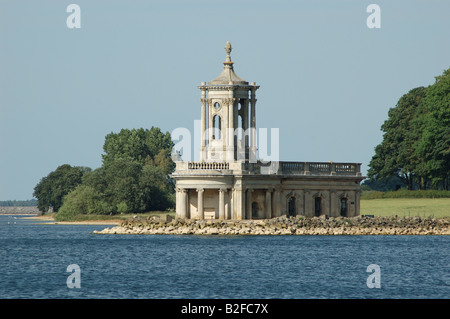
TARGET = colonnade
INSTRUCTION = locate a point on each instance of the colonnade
(253, 203)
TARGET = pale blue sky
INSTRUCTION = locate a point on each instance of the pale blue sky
(327, 80)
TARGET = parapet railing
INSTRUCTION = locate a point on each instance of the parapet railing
(281, 168)
(208, 165)
(321, 168)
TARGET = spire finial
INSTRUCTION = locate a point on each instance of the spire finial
(228, 48)
(228, 51)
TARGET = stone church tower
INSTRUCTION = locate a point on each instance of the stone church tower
(229, 182)
(228, 116)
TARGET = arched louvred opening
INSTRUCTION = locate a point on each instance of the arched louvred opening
(217, 128)
(239, 127)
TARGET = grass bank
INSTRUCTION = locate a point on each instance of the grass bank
(406, 207)
(403, 193)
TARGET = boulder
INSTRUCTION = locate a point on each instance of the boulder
(165, 218)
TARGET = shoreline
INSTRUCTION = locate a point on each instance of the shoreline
(51, 221)
(285, 226)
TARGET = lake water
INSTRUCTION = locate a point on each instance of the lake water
(34, 258)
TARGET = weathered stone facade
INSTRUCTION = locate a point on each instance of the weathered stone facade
(230, 183)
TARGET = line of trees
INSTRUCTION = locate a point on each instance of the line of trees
(18, 203)
(416, 142)
(133, 178)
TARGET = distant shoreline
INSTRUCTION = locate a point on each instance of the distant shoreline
(51, 221)
(19, 210)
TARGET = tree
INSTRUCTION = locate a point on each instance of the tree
(396, 155)
(434, 146)
(133, 178)
(155, 189)
(51, 189)
(138, 144)
(384, 184)
(136, 167)
(122, 184)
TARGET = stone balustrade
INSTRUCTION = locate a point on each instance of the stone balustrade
(208, 165)
(279, 168)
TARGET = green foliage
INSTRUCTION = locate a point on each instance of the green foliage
(383, 184)
(134, 177)
(434, 145)
(155, 189)
(395, 156)
(416, 140)
(51, 190)
(142, 146)
(83, 200)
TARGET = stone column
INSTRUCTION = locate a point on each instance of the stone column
(230, 130)
(232, 200)
(239, 203)
(300, 203)
(210, 121)
(268, 203)
(178, 203)
(221, 203)
(253, 122)
(248, 211)
(182, 203)
(227, 204)
(201, 212)
(357, 202)
(334, 207)
(276, 203)
(235, 126)
(309, 208)
(203, 126)
(245, 126)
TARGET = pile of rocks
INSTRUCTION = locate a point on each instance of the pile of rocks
(285, 226)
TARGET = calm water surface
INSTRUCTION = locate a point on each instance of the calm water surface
(34, 258)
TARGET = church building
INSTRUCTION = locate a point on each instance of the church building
(229, 182)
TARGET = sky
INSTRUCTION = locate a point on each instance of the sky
(326, 79)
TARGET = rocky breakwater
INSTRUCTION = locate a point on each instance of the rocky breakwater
(165, 225)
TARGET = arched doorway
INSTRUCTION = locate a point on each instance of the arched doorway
(317, 206)
(254, 210)
(343, 207)
(292, 212)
